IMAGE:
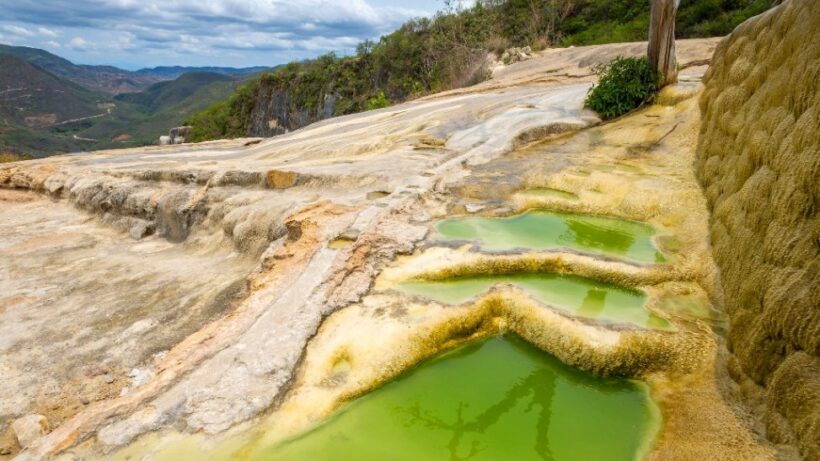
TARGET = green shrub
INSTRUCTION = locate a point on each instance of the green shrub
(379, 102)
(623, 85)
(230, 118)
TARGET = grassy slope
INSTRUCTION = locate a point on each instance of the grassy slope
(27, 91)
(174, 72)
(144, 116)
(141, 117)
(163, 95)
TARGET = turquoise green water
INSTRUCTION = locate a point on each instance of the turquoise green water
(500, 399)
(575, 295)
(541, 230)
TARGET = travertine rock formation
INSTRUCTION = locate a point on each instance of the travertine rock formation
(178, 135)
(178, 289)
(759, 162)
(516, 54)
(145, 248)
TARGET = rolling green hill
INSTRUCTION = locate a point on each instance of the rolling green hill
(142, 117)
(173, 72)
(31, 96)
(100, 78)
(32, 102)
(109, 79)
(42, 114)
(165, 95)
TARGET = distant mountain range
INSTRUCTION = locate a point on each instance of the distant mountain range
(109, 79)
(170, 73)
(49, 105)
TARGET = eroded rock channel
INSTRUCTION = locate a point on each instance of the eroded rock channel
(250, 300)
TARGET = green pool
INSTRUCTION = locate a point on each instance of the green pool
(542, 230)
(500, 399)
(576, 295)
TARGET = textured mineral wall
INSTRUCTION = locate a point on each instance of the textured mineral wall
(759, 163)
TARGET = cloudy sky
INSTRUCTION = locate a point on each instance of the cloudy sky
(146, 33)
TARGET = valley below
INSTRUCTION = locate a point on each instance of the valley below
(49, 105)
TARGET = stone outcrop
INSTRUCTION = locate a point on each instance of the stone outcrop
(178, 135)
(275, 112)
(515, 54)
(759, 163)
(29, 428)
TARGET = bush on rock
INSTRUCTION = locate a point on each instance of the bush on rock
(623, 85)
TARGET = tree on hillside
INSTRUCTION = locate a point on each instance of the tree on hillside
(661, 48)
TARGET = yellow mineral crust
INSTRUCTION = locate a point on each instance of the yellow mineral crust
(758, 160)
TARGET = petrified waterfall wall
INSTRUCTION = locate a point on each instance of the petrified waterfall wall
(759, 164)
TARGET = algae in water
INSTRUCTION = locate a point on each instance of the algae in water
(576, 295)
(542, 230)
(497, 399)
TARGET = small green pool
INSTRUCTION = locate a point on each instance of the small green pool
(499, 399)
(576, 295)
(542, 230)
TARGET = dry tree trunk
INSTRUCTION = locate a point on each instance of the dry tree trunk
(662, 40)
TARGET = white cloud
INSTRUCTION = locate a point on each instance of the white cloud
(46, 32)
(464, 4)
(17, 30)
(194, 31)
(78, 44)
(53, 44)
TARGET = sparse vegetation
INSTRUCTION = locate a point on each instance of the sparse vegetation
(423, 56)
(623, 85)
(378, 102)
(428, 55)
(36, 114)
(6, 157)
(227, 118)
(593, 22)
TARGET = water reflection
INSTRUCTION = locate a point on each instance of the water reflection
(577, 295)
(593, 304)
(537, 390)
(542, 230)
(590, 234)
(495, 400)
